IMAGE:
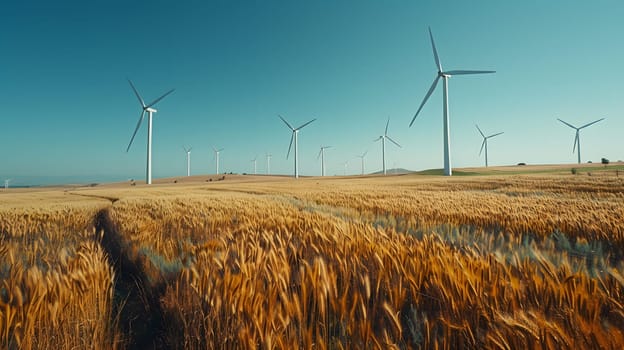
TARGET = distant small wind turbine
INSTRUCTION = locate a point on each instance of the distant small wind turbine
(6, 184)
(484, 144)
(346, 164)
(362, 158)
(188, 160)
(254, 161)
(150, 111)
(268, 166)
(445, 75)
(577, 138)
(383, 145)
(216, 153)
(295, 132)
(322, 155)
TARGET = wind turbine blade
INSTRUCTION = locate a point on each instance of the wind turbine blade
(137, 94)
(136, 129)
(291, 142)
(433, 86)
(500, 133)
(190, 148)
(435, 51)
(364, 155)
(568, 124)
(466, 72)
(221, 149)
(482, 145)
(319, 155)
(160, 98)
(380, 137)
(575, 141)
(301, 127)
(287, 124)
(480, 132)
(387, 123)
(592, 123)
(389, 138)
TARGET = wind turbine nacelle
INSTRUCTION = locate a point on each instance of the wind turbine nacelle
(151, 110)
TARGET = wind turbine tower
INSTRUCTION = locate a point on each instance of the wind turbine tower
(188, 160)
(295, 133)
(216, 153)
(150, 111)
(346, 164)
(577, 138)
(362, 158)
(6, 184)
(322, 155)
(383, 145)
(445, 75)
(268, 166)
(484, 144)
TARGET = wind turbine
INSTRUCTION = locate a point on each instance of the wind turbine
(6, 184)
(383, 145)
(362, 157)
(484, 144)
(150, 111)
(445, 75)
(577, 138)
(268, 159)
(322, 155)
(254, 162)
(295, 132)
(346, 164)
(216, 152)
(188, 160)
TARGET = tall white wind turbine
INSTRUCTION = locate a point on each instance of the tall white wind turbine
(150, 111)
(577, 138)
(322, 155)
(268, 165)
(216, 154)
(383, 145)
(445, 75)
(484, 144)
(188, 160)
(362, 158)
(295, 133)
(254, 161)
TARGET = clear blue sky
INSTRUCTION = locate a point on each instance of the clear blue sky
(66, 108)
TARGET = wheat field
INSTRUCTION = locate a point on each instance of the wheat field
(488, 262)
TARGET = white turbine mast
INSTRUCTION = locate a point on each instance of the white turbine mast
(445, 75)
(484, 144)
(268, 163)
(295, 133)
(577, 138)
(362, 156)
(383, 145)
(216, 155)
(188, 160)
(322, 155)
(150, 111)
